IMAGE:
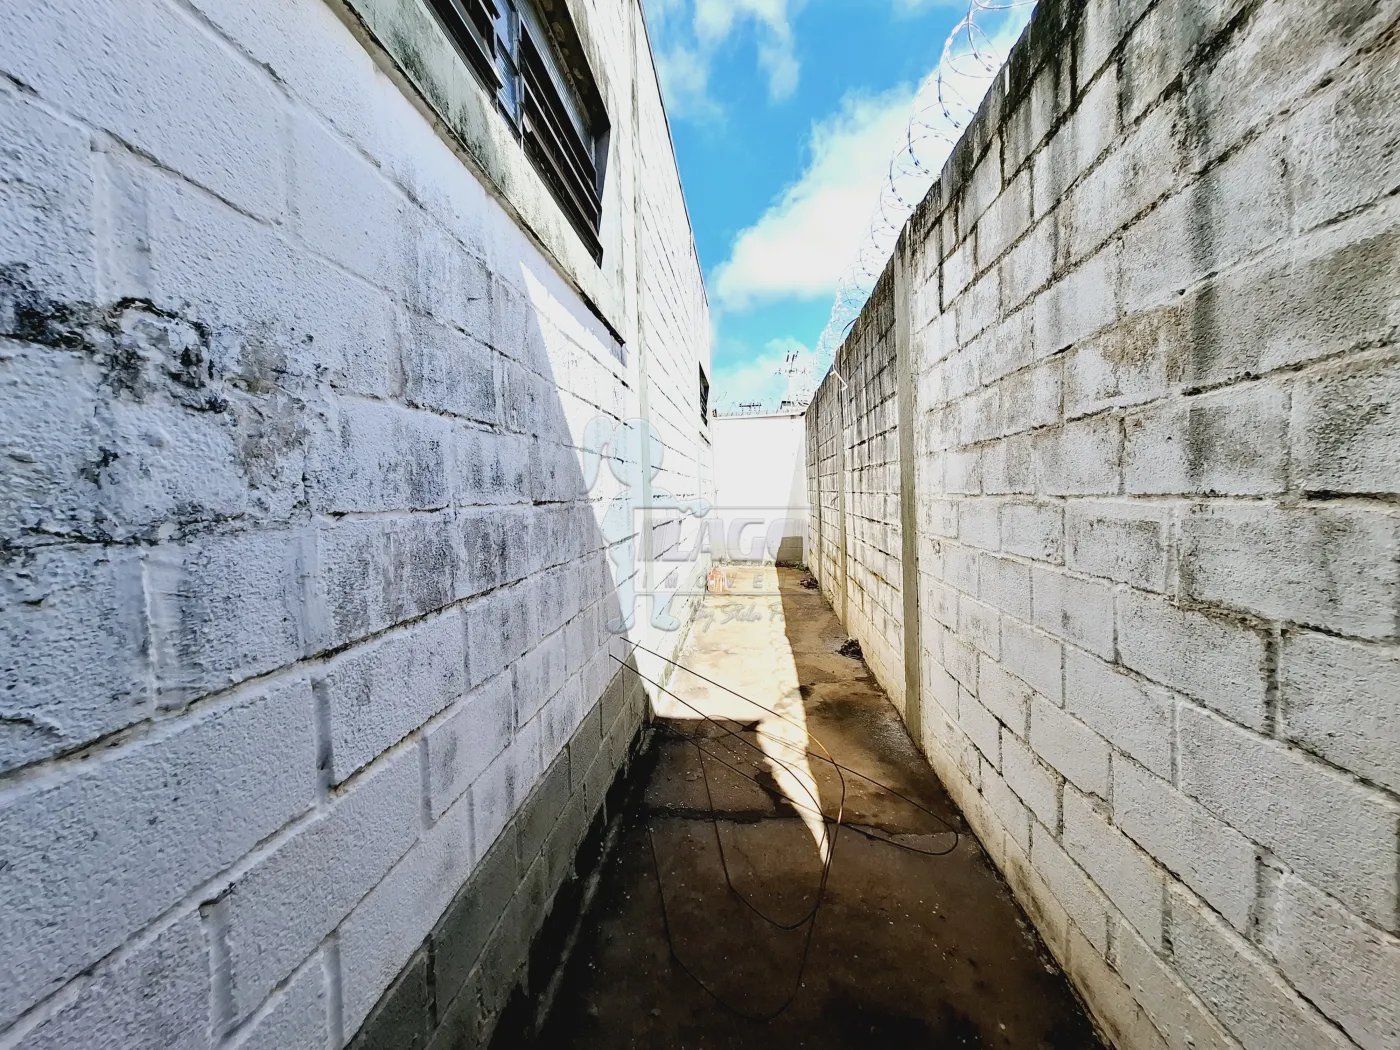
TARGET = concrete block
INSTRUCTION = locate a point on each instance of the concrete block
(377, 693)
(372, 573)
(489, 468)
(1157, 261)
(74, 641)
(1005, 695)
(1076, 893)
(225, 609)
(980, 624)
(1214, 659)
(94, 857)
(343, 205)
(1212, 858)
(1008, 465)
(1010, 812)
(47, 200)
(1034, 530)
(132, 92)
(381, 935)
(1134, 717)
(170, 465)
(1324, 825)
(937, 517)
(1032, 398)
(1079, 611)
(1343, 966)
(1135, 361)
(1025, 269)
(1126, 542)
(979, 416)
(297, 1015)
(1117, 1014)
(1330, 292)
(1337, 699)
(1124, 873)
(467, 925)
(1079, 754)
(981, 727)
(963, 471)
(1229, 443)
(1136, 173)
(1037, 786)
(1242, 204)
(1242, 989)
(446, 371)
(1080, 303)
(157, 996)
(496, 794)
(404, 1016)
(979, 307)
(1346, 428)
(370, 456)
(1341, 139)
(485, 556)
(1080, 458)
(53, 440)
(960, 568)
(979, 524)
(1006, 585)
(585, 744)
(539, 675)
(460, 747)
(1081, 140)
(1246, 68)
(1033, 657)
(1174, 1011)
(1312, 566)
(286, 904)
(541, 810)
(1004, 222)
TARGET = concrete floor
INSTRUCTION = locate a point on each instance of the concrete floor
(907, 949)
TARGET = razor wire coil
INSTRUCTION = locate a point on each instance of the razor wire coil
(943, 107)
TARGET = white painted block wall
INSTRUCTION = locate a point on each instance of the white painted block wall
(761, 475)
(1155, 309)
(300, 592)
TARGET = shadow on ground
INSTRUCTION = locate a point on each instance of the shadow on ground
(915, 944)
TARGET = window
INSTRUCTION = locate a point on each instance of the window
(704, 397)
(541, 83)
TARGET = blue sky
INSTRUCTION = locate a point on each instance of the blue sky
(785, 114)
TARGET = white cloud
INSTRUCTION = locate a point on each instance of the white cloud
(685, 47)
(799, 247)
(756, 379)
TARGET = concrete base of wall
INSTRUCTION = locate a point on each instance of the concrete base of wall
(486, 968)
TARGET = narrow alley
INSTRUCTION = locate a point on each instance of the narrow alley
(816, 906)
(683, 524)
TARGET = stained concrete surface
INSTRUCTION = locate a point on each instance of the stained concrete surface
(907, 948)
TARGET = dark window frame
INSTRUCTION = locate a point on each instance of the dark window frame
(704, 397)
(532, 64)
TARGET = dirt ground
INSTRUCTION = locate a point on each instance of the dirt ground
(702, 933)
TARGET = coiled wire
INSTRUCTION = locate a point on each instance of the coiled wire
(832, 825)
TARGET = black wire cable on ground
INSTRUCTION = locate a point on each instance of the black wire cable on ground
(835, 824)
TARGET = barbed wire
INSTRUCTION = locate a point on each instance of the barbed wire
(944, 105)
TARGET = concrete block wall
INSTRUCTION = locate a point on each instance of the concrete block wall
(864, 423)
(1155, 324)
(309, 700)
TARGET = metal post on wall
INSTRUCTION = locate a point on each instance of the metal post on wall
(908, 505)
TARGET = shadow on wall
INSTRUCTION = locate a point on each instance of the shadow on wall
(261, 555)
